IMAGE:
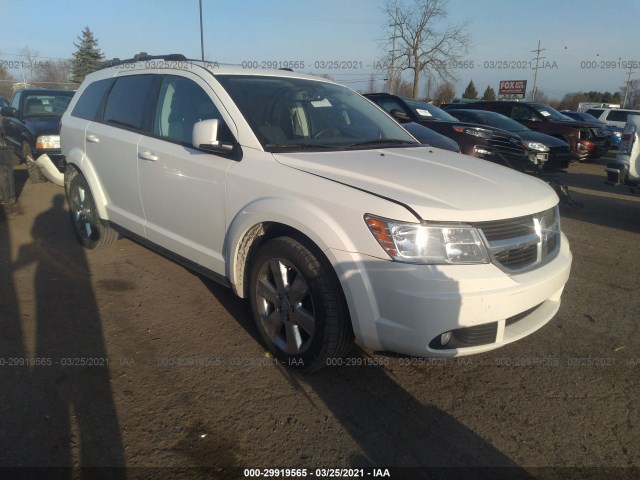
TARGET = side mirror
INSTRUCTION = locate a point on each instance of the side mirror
(205, 136)
(8, 112)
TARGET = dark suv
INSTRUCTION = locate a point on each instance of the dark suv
(32, 126)
(480, 141)
(587, 141)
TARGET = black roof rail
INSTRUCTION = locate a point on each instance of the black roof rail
(143, 56)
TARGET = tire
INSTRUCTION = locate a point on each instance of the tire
(35, 174)
(298, 306)
(91, 230)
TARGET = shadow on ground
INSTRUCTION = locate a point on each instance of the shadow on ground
(56, 405)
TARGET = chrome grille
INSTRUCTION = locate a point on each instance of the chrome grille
(522, 243)
(507, 144)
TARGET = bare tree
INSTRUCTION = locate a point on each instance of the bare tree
(53, 74)
(631, 93)
(419, 40)
(399, 86)
(371, 86)
(445, 93)
(6, 80)
(29, 59)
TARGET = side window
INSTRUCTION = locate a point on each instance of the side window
(391, 104)
(618, 115)
(181, 104)
(15, 101)
(522, 113)
(596, 112)
(129, 100)
(90, 104)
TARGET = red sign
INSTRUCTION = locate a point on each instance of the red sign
(513, 87)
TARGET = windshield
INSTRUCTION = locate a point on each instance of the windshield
(492, 119)
(550, 113)
(294, 114)
(46, 104)
(585, 117)
(427, 111)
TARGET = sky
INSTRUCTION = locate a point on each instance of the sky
(585, 42)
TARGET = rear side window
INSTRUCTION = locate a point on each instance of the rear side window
(90, 104)
(596, 112)
(129, 100)
(620, 115)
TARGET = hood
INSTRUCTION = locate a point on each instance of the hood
(43, 125)
(548, 140)
(429, 137)
(577, 123)
(438, 185)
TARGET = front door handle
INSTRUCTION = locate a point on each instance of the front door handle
(147, 155)
(93, 138)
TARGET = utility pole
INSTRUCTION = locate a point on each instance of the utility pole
(201, 33)
(535, 70)
(393, 59)
(626, 88)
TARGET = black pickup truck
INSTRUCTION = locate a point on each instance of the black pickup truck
(31, 125)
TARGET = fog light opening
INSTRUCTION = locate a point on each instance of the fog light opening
(445, 338)
(481, 151)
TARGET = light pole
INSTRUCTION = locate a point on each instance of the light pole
(201, 32)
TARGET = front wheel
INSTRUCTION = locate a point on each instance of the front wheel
(35, 174)
(91, 230)
(298, 305)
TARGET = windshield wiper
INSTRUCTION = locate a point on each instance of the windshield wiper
(380, 141)
(298, 146)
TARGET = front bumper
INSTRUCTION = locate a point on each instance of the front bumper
(50, 168)
(405, 308)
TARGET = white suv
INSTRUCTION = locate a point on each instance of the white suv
(616, 117)
(313, 203)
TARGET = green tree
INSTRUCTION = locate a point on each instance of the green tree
(489, 94)
(87, 57)
(471, 91)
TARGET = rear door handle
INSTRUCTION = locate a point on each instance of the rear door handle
(93, 138)
(147, 155)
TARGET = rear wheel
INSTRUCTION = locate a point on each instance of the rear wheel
(298, 305)
(35, 174)
(91, 230)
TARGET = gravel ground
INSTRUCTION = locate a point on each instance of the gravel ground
(119, 357)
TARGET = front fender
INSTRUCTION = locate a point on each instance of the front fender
(305, 217)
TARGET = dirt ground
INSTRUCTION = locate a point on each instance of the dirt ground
(121, 358)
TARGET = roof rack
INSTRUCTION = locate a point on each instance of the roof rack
(143, 56)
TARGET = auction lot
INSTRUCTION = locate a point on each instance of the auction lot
(120, 357)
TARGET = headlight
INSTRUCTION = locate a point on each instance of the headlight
(415, 243)
(540, 147)
(475, 131)
(48, 142)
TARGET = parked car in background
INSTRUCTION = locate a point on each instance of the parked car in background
(426, 136)
(31, 125)
(545, 152)
(625, 169)
(615, 117)
(484, 142)
(317, 207)
(616, 132)
(587, 141)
